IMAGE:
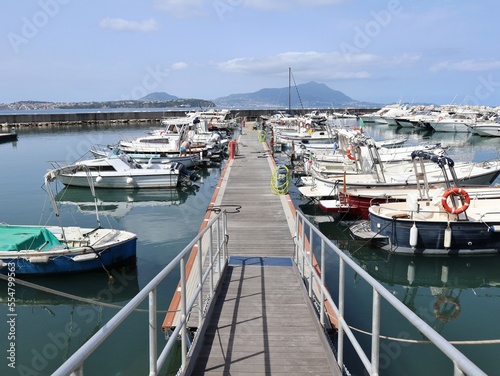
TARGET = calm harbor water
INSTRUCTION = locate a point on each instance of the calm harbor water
(457, 296)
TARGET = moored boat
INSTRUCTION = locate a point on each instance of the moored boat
(453, 225)
(50, 249)
(43, 250)
(118, 170)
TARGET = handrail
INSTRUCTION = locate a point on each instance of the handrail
(74, 365)
(303, 258)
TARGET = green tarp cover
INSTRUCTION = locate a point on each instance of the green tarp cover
(18, 238)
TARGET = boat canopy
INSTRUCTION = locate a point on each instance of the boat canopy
(439, 159)
(21, 238)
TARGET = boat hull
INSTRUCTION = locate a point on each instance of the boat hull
(119, 248)
(154, 179)
(467, 238)
(487, 130)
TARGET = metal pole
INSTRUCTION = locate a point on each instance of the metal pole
(183, 313)
(219, 248)
(323, 272)
(340, 340)
(211, 255)
(311, 260)
(200, 271)
(153, 350)
(375, 333)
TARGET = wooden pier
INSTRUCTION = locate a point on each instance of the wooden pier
(262, 321)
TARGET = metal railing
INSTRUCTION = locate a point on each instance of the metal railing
(306, 234)
(210, 260)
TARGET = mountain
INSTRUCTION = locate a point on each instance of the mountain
(158, 96)
(310, 95)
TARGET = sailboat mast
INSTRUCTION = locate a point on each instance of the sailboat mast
(289, 90)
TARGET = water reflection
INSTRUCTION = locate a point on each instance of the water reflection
(445, 277)
(118, 202)
(115, 285)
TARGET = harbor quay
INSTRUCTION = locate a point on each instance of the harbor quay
(73, 117)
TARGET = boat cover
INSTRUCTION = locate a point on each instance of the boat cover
(19, 238)
(439, 159)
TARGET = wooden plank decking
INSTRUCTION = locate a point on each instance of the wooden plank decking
(262, 322)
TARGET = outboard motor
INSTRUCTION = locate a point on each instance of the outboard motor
(184, 173)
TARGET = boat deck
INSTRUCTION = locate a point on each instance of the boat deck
(263, 322)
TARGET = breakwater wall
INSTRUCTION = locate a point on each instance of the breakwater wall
(136, 116)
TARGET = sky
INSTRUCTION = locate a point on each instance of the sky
(425, 51)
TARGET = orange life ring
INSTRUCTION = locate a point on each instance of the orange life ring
(349, 155)
(455, 191)
(161, 133)
(440, 313)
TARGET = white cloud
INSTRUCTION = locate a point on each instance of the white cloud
(288, 4)
(467, 65)
(315, 65)
(180, 8)
(119, 24)
(179, 65)
(189, 8)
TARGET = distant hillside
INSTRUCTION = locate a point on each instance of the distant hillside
(158, 96)
(310, 95)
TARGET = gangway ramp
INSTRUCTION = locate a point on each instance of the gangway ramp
(261, 321)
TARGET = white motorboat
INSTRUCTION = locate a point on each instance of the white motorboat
(118, 170)
(487, 129)
(189, 161)
(456, 123)
(409, 174)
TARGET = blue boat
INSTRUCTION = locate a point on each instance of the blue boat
(44, 250)
(50, 249)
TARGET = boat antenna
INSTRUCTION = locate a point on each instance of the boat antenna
(296, 89)
(48, 178)
(289, 89)
(94, 196)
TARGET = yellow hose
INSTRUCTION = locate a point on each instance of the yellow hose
(262, 136)
(280, 182)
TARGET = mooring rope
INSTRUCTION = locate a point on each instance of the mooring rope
(70, 296)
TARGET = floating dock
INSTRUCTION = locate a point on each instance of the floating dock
(262, 321)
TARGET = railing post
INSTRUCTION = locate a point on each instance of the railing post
(323, 272)
(375, 333)
(153, 350)
(78, 371)
(224, 227)
(311, 260)
(211, 255)
(200, 272)
(296, 247)
(220, 246)
(303, 245)
(340, 339)
(183, 313)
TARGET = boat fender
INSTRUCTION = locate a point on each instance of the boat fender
(456, 191)
(130, 180)
(39, 259)
(494, 229)
(447, 237)
(413, 235)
